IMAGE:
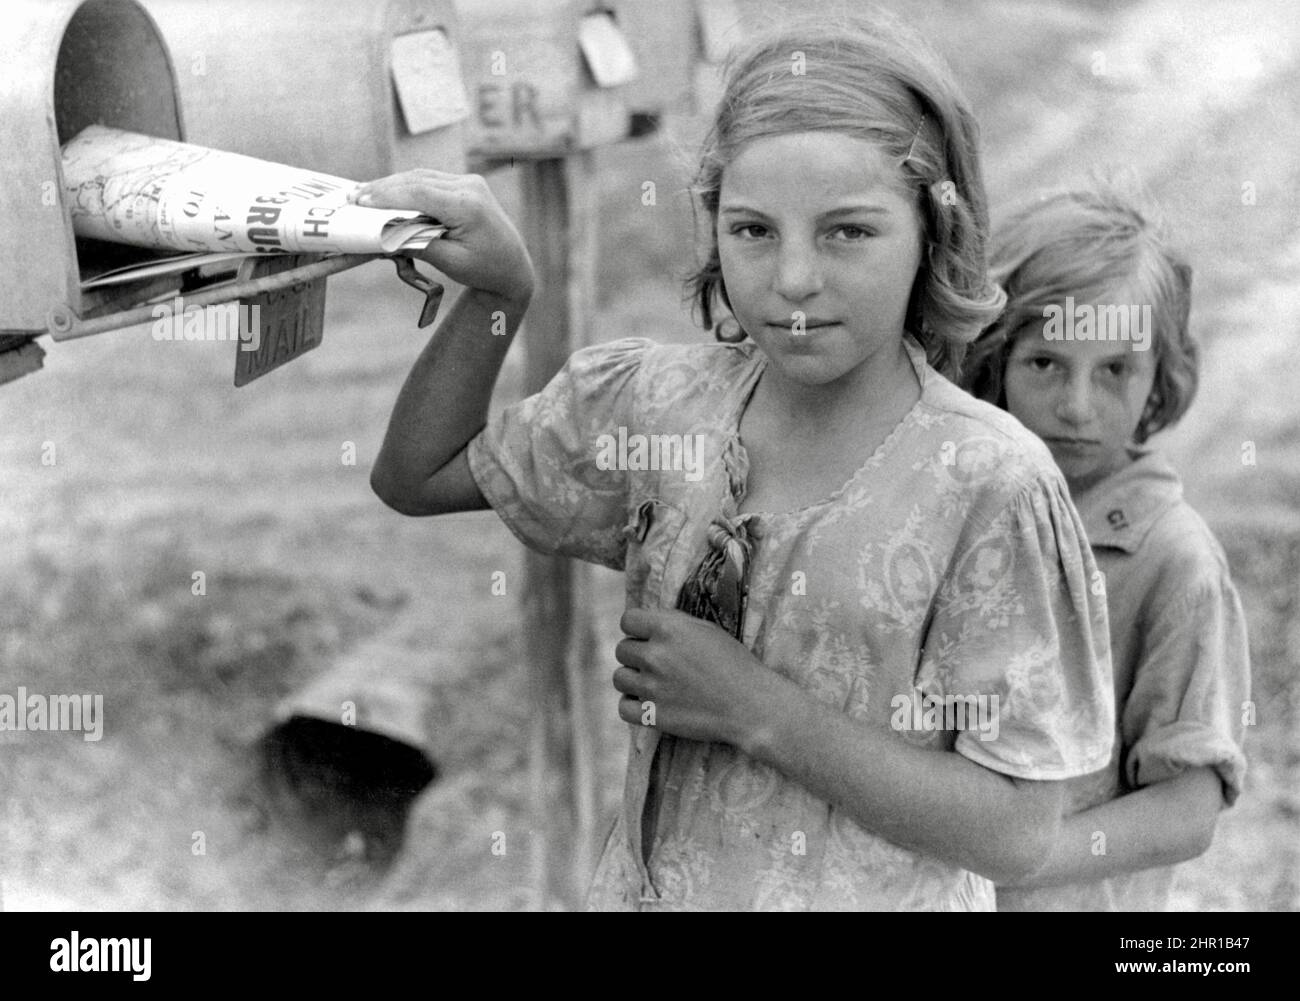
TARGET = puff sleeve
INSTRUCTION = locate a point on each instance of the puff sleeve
(536, 461)
(1018, 621)
(1185, 709)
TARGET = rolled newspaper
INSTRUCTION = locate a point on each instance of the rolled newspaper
(148, 192)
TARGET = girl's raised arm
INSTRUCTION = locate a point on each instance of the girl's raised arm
(421, 468)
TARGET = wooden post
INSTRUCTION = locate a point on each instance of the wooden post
(559, 636)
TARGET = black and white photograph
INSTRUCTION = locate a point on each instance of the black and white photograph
(650, 455)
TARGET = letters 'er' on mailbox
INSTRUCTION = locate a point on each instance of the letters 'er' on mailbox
(545, 77)
(353, 89)
(65, 65)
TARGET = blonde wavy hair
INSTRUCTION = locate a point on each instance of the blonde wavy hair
(869, 77)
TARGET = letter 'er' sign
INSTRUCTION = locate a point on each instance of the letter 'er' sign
(545, 77)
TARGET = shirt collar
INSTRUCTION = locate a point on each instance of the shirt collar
(1120, 510)
(916, 354)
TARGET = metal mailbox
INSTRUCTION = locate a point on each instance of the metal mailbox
(64, 65)
(389, 98)
(358, 90)
(665, 37)
(545, 77)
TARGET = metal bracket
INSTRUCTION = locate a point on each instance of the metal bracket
(71, 326)
(214, 295)
(433, 292)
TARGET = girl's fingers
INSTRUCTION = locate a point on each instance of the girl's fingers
(481, 249)
(638, 622)
(432, 177)
(630, 651)
(430, 172)
(446, 198)
(623, 679)
(635, 684)
(432, 199)
(387, 187)
(630, 711)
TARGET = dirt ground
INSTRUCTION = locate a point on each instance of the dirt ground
(163, 470)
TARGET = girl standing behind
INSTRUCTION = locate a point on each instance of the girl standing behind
(861, 647)
(1096, 262)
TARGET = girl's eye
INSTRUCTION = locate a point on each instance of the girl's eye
(750, 231)
(853, 233)
(1039, 363)
(1116, 369)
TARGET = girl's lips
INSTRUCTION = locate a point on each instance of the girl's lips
(1072, 444)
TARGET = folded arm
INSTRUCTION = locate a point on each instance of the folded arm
(1161, 824)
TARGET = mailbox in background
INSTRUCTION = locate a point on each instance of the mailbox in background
(681, 45)
(358, 90)
(665, 37)
(545, 77)
(721, 26)
(65, 65)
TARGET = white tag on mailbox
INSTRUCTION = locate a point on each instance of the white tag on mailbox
(608, 55)
(426, 73)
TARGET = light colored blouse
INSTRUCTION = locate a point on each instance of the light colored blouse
(1181, 661)
(951, 565)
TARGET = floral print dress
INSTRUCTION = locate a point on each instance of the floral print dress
(950, 566)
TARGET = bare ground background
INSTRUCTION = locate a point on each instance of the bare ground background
(164, 469)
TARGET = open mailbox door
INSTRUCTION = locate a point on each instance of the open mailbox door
(389, 99)
(66, 65)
